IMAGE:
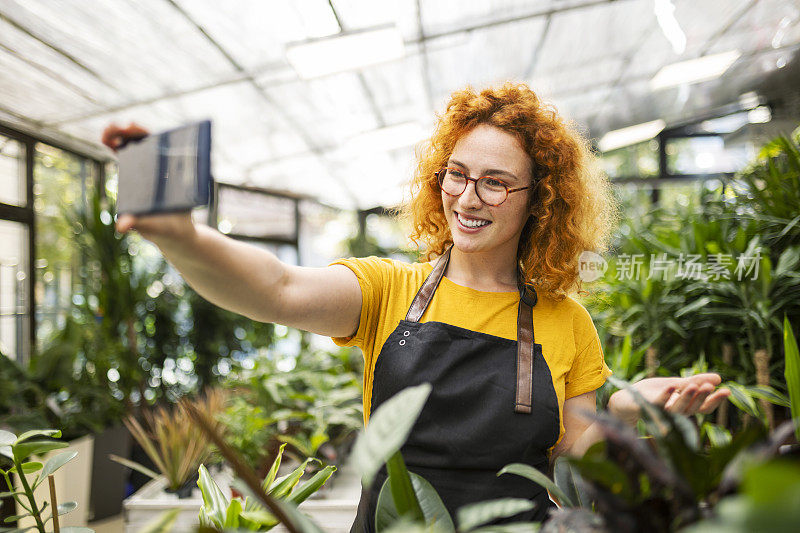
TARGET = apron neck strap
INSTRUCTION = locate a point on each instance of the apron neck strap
(525, 338)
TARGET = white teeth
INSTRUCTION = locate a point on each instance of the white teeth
(471, 223)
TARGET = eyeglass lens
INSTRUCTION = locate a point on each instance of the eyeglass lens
(490, 190)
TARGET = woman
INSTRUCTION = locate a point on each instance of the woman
(505, 196)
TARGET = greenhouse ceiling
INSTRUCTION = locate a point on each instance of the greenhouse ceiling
(328, 98)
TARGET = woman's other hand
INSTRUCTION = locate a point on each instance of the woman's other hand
(689, 395)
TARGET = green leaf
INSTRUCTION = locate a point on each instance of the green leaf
(527, 471)
(35, 447)
(387, 430)
(405, 500)
(312, 485)
(53, 464)
(233, 513)
(792, 373)
(161, 524)
(16, 517)
(262, 517)
(54, 433)
(283, 486)
(27, 468)
(7, 438)
(564, 475)
(215, 504)
(517, 527)
(133, 465)
(273, 471)
(64, 508)
(742, 399)
(765, 392)
(477, 514)
(717, 435)
(433, 509)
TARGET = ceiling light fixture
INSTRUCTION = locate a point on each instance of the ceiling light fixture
(345, 51)
(694, 70)
(630, 135)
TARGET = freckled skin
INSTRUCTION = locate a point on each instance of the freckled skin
(487, 147)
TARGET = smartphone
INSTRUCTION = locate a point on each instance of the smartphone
(166, 172)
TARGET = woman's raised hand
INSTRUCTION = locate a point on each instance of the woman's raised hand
(689, 395)
(152, 227)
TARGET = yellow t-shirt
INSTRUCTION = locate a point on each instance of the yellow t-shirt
(569, 339)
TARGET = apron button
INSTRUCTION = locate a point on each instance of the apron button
(402, 342)
(406, 334)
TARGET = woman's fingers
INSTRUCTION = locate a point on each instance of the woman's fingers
(714, 400)
(125, 223)
(115, 137)
(702, 393)
(679, 403)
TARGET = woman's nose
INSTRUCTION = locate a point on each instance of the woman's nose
(470, 196)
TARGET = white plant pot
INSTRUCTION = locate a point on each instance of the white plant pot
(72, 481)
(334, 512)
(151, 501)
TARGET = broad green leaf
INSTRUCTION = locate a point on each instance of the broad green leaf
(477, 514)
(35, 447)
(311, 486)
(792, 372)
(527, 471)
(433, 509)
(161, 524)
(387, 430)
(741, 398)
(215, 503)
(64, 508)
(768, 393)
(53, 464)
(54, 433)
(7, 438)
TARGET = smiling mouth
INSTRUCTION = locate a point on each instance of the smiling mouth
(469, 223)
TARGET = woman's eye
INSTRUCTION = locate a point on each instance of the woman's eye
(455, 173)
(494, 183)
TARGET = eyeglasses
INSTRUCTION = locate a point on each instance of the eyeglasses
(490, 190)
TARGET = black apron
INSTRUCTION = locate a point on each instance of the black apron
(475, 420)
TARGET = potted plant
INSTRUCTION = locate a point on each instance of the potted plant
(177, 448)
(31, 492)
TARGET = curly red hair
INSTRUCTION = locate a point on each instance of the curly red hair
(571, 206)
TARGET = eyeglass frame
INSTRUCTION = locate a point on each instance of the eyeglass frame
(468, 178)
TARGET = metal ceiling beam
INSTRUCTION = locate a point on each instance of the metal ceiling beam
(60, 51)
(373, 105)
(423, 50)
(507, 20)
(301, 132)
(709, 43)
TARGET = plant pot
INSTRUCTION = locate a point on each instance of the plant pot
(185, 491)
(72, 482)
(109, 479)
(152, 500)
